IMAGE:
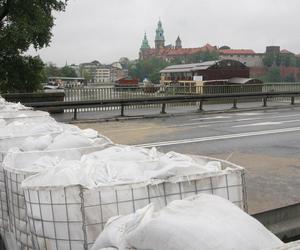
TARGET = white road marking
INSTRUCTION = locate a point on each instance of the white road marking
(219, 137)
(265, 123)
(186, 125)
(204, 123)
(257, 124)
(251, 119)
(248, 119)
(211, 118)
(252, 113)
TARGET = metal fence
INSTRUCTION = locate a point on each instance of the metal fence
(109, 93)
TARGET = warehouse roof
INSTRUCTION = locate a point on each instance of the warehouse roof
(188, 67)
(240, 80)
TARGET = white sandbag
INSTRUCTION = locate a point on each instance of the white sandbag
(11, 116)
(69, 140)
(10, 106)
(36, 153)
(2, 122)
(203, 222)
(123, 164)
(36, 143)
(44, 125)
(90, 133)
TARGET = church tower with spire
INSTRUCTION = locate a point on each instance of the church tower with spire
(145, 43)
(159, 37)
(178, 44)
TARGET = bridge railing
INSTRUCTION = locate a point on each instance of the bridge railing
(108, 93)
(164, 100)
(112, 93)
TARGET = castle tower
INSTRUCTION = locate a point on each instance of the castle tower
(159, 37)
(178, 44)
(145, 43)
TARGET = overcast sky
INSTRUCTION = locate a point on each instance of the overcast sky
(106, 30)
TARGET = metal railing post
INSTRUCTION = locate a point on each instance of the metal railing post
(234, 104)
(75, 114)
(201, 106)
(122, 110)
(265, 102)
(163, 109)
(292, 100)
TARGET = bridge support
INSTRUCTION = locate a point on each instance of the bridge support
(163, 109)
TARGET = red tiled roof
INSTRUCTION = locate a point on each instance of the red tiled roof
(237, 51)
(171, 52)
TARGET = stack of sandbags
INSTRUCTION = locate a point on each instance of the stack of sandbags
(205, 222)
(27, 135)
(69, 203)
(13, 133)
(20, 162)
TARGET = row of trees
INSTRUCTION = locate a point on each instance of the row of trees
(52, 70)
(273, 75)
(287, 60)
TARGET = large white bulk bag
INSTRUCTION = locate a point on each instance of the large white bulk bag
(13, 134)
(205, 222)
(20, 164)
(64, 215)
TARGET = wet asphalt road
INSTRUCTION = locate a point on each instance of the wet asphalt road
(266, 143)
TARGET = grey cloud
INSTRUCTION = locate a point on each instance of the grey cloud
(109, 29)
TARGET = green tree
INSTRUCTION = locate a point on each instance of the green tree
(86, 75)
(148, 68)
(52, 70)
(28, 76)
(273, 75)
(24, 24)
(268, 60)
(67, 71)
(289, 78)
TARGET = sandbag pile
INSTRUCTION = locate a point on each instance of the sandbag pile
(60, 185)
(117, 180)
(26, 135)
(119, 165)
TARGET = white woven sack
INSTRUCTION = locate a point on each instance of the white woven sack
(204, 221)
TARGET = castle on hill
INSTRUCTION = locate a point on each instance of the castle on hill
(169, 52)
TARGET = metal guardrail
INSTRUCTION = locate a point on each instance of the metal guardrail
(163, 100)
(283, 222)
